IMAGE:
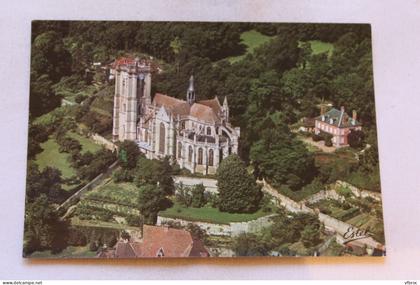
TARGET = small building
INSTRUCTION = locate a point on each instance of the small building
(308, 125)
(158, 242)
(338, 124)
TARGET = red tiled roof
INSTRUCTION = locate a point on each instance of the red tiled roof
(171, 104)
(206, 110)
(212, 103)
(204, 113)
(124, 249)
(171, 242)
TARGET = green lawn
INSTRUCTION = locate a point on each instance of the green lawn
(101, 224)
(50, 156)
(87, 144)
(321, 47)
(69, 252)
(251, 39)
(207, 214)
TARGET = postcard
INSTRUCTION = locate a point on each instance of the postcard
(202, 139)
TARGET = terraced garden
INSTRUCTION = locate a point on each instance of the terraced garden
(208, 214)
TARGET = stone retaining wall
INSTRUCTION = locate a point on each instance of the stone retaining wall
(359, 192)
(231, 229)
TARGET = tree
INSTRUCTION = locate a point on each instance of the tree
(310, 235)
(152, 171)
(128, 154)
(198, 199)
(43, 227)
(281, 158)
(238, 191)
(147, 171)
(249, 245)
(46, 182)
(356, 138)
(165, 179)
(152, 199)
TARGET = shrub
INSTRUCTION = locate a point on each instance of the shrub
(133, 220)
(328, 142)
(198, 199)
(93, 246)
(80, 98)
(123, 175)
(316, 138)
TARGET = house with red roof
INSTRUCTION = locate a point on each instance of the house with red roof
(195, 134)
(158, 242)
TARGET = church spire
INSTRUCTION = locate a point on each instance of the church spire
(191, 91)
(225, 109)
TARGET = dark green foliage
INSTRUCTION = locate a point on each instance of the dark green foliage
(281, 158)
(69, 145)
(96, 122)
(328, 142)
(183, 195)
(197, 232)
(101, 161)
(152, 199)
(79, 98)
(316, 137)
(198, 198)
(134, 220)
(154, 172)
(37, 134)
(46, 182)
(43, 227)
(146, 171)
(125, 235)
(356, 138)
(191, 196)
(123, 175)
(249, 245)
(238, 191)
(128, 154)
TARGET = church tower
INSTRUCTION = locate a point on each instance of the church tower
(132, 94)
(191, 91)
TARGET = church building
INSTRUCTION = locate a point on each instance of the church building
(197, 135)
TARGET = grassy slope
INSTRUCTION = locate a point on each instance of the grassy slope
(87, 144)
(251, 39)
(207, 214)
(321, 47)
(52, 157)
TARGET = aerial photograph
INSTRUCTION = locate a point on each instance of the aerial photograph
(201, 139)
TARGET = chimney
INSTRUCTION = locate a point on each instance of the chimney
(322, 109)
(354, 115)
(342, 109)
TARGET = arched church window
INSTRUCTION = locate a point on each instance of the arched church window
(211, 154)
(208, 131)
(179, 149)
(182, 125)
(190, 153)
(200, 156)
(162, 138)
